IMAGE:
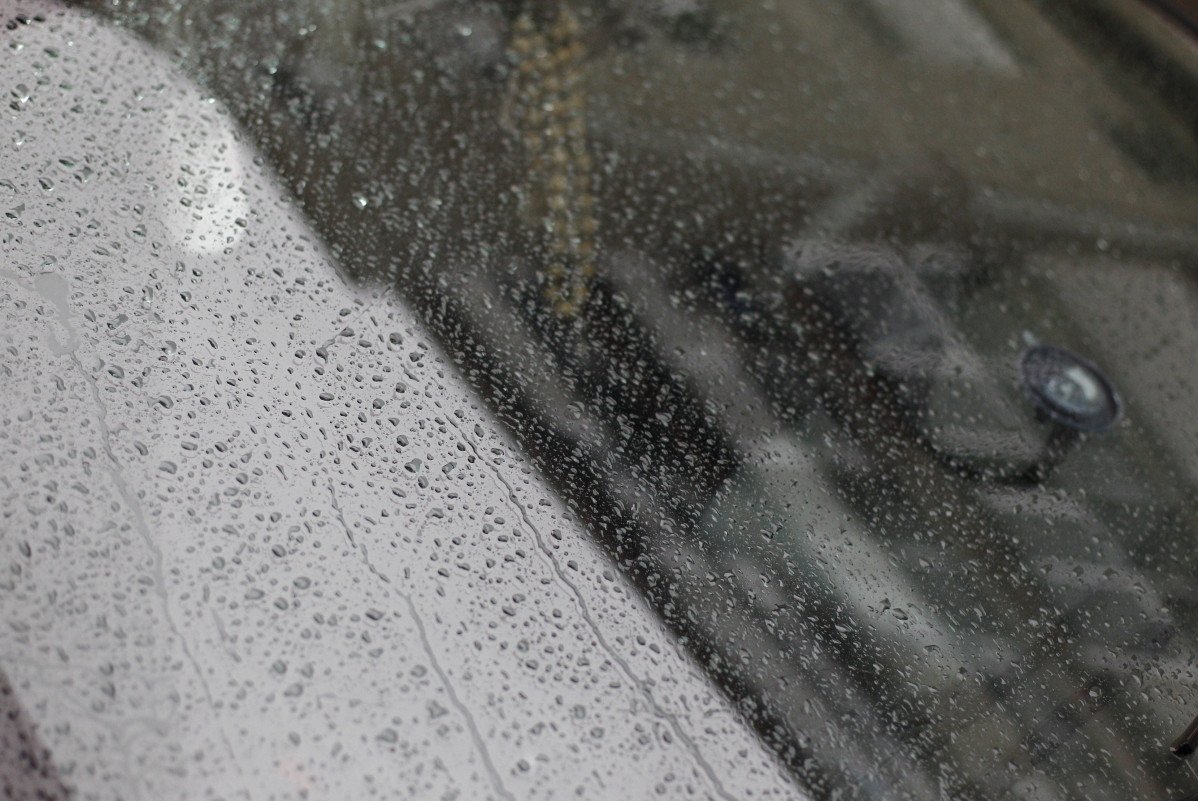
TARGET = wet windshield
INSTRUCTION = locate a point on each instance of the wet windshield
(861, 332)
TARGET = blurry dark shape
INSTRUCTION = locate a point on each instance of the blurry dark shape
(1187, 743)
(26, 770)
(1182, 12)
(1063, 725)
(883, 303)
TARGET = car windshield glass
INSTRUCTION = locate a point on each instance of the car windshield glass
(863, 333)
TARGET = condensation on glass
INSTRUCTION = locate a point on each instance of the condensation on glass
(750, 285)
(259, 539)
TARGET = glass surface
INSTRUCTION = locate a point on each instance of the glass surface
(750, 282)
(258, 538)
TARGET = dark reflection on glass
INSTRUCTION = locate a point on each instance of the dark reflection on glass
(751, 283)
(1187, 742)
(26, 768)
